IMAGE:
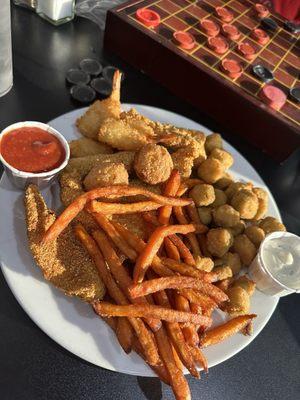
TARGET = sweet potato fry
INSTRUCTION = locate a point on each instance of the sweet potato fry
(117, 295)
(177, 282)
(188, 270)
(146, 310)
(171, 250)
(120, 273)
(177, 360)
(171, 189)
(222, 332)
(124, 334)
(193, 213)
(176, 336)
(203, 300)
(177, 380)
(183, 250)
(155, 241)
(96, 206)
(115, 236)
(111, 192)
(111, 322)
(188, 330)
(199, 358)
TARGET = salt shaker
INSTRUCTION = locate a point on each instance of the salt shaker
(56, 11)
(25, 3)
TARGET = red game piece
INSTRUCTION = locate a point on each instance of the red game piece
(260, 36)
(247, 50)
(224, 14)
(261, 10)
(185, 40)
(210, 27)
(232, 68)
(231, 31)
(273, 97)
(148, 17)
(218, 44)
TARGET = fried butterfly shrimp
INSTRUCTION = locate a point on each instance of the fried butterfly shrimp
(153, 164)
(106, 174)
(88, 147)
(90, 122)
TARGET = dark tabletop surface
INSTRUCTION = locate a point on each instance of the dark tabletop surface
(34, 367)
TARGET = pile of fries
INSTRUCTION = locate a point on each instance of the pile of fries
(158, 301)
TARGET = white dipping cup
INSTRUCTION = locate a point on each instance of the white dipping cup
(21, 179)
(258, 271)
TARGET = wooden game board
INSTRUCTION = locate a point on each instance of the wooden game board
(196, 76)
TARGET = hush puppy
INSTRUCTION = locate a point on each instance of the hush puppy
(153, 164)
(203, 194)
(106, 174)
(211, 170)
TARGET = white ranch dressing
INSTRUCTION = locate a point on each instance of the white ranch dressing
(281, 257)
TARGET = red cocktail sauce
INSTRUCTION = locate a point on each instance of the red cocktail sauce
(32, 149)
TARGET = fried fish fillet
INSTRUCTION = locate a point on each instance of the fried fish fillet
(83, 165)
(93, 118)
(88, 147)
(64, 261)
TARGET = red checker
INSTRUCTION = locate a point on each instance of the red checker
(218, 44)
(272, 58)
(224, 14)
(260, 36)
(231, 31)
(261, 10)
(247, 50)
(210, 27)
(284, 78)
(185, 40)
(274, 97)
(197, 11)
(176, 23)
(168, 6)
(232, 68)
(148, 17)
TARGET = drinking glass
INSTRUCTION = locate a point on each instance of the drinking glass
(6, 74)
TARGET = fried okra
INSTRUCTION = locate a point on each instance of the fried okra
(213, 141)
(271, 224)
(246, 203)
(245, 249)
(203, 194)
(106, 174)
(211, 170)
(255, 234)
(223, 156)
(226, 216)
(219, 241)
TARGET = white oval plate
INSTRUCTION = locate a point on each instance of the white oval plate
(72, 323)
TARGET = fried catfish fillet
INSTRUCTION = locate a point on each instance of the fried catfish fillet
(88, 147)
(93, 118)
(83, 165)
(64, 262)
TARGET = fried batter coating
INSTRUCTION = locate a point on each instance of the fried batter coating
(233, 261)
(238, 228)
(239, 301)
(183, 162)
(204, 264)
(234, 187)
(83, 165)
(245, 283)
(64, 262)
(153, 164)
(99, 111)
(138, 122)
(106, 174)
(271, 224)
(88, 147)
(211, 170)
(246, 203)
(226, 216)
(220, 198)
(224, 182)
(245, 249)
(255, 234)
(134, 223)
(203, 194)
(263, 202)
(205, 214)
(219, 241)
(213, 141)
(223, 156)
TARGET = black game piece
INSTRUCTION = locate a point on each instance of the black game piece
(76, 76)
(108, 73)
(83, 93)
(269, 24)
(91, 66)
(292, 27)
(262, 73)
(102, 86)
(295, 94)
